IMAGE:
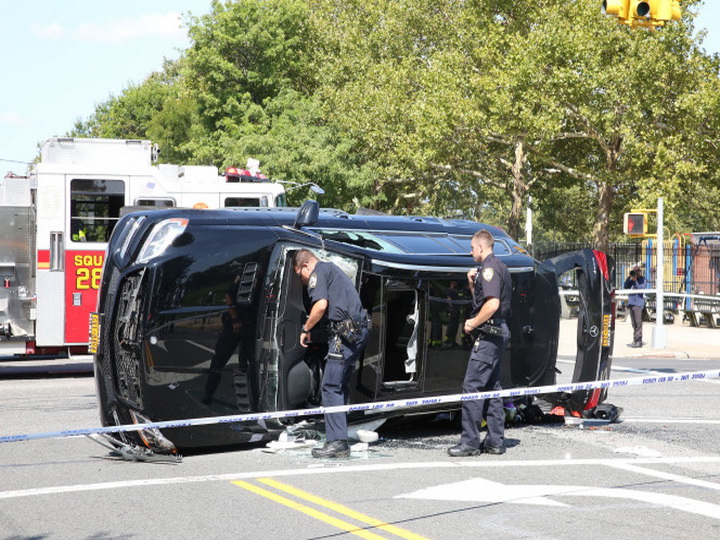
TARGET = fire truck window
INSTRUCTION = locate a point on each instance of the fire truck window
(156, 203)
(231, 202)
(95, 208)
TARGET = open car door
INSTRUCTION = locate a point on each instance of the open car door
(592, 274)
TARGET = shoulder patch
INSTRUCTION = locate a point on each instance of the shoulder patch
(488, 274)
(312, 283)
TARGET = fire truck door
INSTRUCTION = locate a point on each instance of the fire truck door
(94, 209)
(83, 269)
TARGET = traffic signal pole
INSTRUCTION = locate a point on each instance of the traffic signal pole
(659, 335)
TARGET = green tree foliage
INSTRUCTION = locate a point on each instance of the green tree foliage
(128, 115)
(451, 107)
(159, 109)
(243, 54)
(251, 72)
(473, 104)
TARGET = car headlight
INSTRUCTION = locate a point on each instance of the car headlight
(160, 238)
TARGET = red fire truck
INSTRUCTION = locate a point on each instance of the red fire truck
(57, 219)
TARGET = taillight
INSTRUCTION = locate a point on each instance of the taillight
(601, 259)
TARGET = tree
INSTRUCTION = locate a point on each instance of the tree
(453, 108)
(482, 98)
(243, 55)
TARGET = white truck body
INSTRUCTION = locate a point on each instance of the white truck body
(57, 219)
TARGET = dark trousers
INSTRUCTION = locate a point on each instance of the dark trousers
(483, 375)
(636, 313)
(339, 366)
(227, 342)
(453, 324)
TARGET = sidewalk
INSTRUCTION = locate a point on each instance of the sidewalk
(75, 366)
(683, 341)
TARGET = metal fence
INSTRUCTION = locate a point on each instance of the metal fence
(691, 268)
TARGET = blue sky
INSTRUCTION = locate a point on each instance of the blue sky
(60, 59)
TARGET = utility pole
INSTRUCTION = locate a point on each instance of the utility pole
(659, 336)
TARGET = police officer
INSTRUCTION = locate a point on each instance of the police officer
(491, 287)
(334, 299)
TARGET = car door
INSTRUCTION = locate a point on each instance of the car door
(593, 273)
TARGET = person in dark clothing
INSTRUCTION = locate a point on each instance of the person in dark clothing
(492, 289)
(334, 299)
(636, 304)
(236, 334)
(453, 298)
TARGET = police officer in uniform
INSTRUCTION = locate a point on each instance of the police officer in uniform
(334, 299)
(491, 287)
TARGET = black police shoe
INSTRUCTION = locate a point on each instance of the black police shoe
(463, 450)
(334, 449)
(493, 449)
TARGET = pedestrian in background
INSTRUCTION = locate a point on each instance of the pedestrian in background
(491, 287)
(636, 304)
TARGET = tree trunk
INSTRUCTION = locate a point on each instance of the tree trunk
(601, 236)
(606, 195)
(518, 192)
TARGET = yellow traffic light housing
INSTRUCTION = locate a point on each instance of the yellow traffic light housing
(617, 8)
(645, 13)
(665, 10)
(635, 224)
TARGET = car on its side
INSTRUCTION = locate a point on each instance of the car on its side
(167, 349)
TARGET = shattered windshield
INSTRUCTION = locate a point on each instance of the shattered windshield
(362, 239)
(426, 243)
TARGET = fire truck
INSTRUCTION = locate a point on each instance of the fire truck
(57, 220)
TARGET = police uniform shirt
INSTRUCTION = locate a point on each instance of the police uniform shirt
(330, 283)
(491, 276)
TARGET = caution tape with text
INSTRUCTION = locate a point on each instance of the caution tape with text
(374, 407)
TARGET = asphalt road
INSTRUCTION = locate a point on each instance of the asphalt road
(655, 474)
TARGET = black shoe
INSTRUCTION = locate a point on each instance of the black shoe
(493, 449)
(463, 450)
(635, 345)
(334, 449)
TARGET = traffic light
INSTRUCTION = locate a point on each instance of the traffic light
(665, 10)
(618, 8)
(643, 13)
(635, 224)
(639, 9)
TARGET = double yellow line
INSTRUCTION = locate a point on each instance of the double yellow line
(338, 508)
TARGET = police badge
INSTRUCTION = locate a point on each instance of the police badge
(488, 274)
(313, 281)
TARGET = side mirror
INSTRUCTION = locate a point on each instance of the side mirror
(307, 215)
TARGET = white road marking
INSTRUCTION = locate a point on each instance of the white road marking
(666, 476)
(487, 491)
(669, 420)
(639, 371)
(481, 490)
(338, 469)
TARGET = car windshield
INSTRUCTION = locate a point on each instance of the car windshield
(399, 242)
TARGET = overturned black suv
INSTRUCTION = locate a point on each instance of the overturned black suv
(199, 315)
